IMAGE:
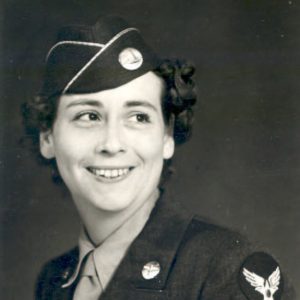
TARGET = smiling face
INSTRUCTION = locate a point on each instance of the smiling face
(110, 146)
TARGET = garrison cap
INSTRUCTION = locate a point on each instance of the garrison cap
(87, 59)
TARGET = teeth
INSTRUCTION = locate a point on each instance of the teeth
(107, 173)
(114, 173)
(110, 173)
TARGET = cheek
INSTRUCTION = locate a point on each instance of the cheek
(70, 146)
(149, 143)
(150, 149)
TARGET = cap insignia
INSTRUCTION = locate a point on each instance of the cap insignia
(130, 59)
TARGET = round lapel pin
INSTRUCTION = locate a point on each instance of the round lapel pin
(150, 270)
(130, 59)
(260, 277)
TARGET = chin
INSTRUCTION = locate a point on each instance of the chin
(112, 204)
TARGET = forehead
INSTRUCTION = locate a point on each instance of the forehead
(148, 87)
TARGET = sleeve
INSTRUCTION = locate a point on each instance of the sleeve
(240, 271)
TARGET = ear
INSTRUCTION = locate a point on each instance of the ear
(169, 143)
(169, 146)
(46, 144)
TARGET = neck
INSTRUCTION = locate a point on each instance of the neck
(101, 224)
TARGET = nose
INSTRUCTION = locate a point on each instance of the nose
(110, 141)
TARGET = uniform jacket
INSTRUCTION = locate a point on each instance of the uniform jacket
(197, 260)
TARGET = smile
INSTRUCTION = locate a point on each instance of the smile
(109, 173)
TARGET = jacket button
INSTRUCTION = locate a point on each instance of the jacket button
(150, 270)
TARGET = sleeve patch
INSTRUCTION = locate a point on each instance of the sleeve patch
(260, 277)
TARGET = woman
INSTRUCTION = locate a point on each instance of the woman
(108, 116)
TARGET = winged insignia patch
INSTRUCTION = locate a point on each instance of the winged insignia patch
(267, 287)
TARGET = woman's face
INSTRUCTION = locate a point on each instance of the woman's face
(110, 146)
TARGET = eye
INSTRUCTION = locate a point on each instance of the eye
(88, 117)
(140, 118)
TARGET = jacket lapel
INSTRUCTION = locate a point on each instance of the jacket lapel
(64, 271)
(158, 242)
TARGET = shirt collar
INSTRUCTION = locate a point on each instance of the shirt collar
(109, 254)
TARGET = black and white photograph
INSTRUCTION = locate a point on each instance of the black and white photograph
(150, 150)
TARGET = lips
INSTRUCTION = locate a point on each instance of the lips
(109, 173)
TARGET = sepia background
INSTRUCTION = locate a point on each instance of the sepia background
(241, 169)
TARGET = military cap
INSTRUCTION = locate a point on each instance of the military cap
(86, 59)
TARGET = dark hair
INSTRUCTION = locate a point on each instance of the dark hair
(180, 95)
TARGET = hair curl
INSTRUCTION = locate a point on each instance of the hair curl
(179, 98)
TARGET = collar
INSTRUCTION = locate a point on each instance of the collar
(109, 254)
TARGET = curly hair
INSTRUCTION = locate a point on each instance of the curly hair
(179, 98)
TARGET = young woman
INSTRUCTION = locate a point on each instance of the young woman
(108, 117)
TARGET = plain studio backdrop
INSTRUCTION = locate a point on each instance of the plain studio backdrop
(241, 168)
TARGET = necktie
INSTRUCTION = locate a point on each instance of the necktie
(89, 286)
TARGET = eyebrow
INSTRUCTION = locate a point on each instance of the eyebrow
(140, 103)
(88, 102)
